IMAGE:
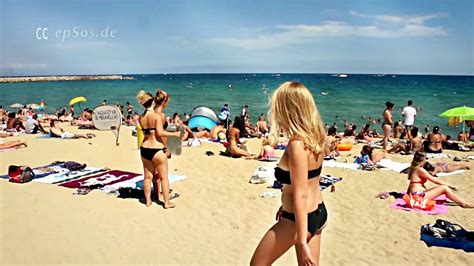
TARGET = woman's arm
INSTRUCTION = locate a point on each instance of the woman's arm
(298, 165)
(161, 132)
(423, 173)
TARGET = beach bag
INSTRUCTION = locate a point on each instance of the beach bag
(442, 229)
(418, 202)
(20, 174)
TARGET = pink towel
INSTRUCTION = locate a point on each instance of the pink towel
(440, 207)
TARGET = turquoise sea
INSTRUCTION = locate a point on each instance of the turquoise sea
(347, 98)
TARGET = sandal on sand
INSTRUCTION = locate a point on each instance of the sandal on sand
(383, 195)
(174, 195)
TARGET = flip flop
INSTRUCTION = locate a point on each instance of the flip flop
(174, 195)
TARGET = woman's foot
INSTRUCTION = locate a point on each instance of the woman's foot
(169, 205)
(467, 205)
(148, 203)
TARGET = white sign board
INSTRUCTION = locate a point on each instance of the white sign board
(107, 118)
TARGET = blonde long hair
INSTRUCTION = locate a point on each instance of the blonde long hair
(294, 112)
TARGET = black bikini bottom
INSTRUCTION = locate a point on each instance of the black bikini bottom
(316, 218)
(149, 153)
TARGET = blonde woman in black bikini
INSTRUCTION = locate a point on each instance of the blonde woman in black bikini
(303, 214)
(418, 177)
(153, 152)
(387, 123)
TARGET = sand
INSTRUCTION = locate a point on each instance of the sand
(219, 219)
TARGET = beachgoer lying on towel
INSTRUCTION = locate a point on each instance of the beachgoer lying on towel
(418, 177)
(413, 145)
(445, 167)
(13, 144)
(368, 155)
(364, 135)
(57, 132)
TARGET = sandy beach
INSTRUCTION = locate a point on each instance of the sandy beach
(219, 219)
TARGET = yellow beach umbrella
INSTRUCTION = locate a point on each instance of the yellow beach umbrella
(77, 100)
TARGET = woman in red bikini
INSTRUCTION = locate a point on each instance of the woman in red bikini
(418, 177)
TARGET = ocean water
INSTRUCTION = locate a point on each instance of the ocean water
(347, 98)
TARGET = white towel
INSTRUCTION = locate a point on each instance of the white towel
(131, 183)
(451, 173)
(393, 166)
(331, 163)
(59, 177)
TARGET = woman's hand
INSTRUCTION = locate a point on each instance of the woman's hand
(279, 213)
(303, 252)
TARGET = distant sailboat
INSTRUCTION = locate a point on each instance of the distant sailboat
(343, 75)
(324, 93)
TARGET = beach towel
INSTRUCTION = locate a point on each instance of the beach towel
(451, 173)
(392, 165)
(327, 181)
(100, 180)
(171, 178)
(440, 207)
(56, 178)
(436, 155)
(463, 240)
(331, 163)
(114, 188)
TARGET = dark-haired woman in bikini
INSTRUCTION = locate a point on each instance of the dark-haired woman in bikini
(387, 123)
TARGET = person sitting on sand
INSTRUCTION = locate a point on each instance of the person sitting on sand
(13, 144)
(350, 131)
(233, 136)
(267, 150)
(3, 115)
(331, 142)
(56, 131)
(32, 126)
(418, 177)
(364, 135)
(414, 144)
(14, 124)
(434, 141)
(303, 214)
(216, 130)
(387, 123)
(397, 130)
(261, 126)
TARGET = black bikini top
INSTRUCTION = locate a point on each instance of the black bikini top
(146, 131)
(283, 176)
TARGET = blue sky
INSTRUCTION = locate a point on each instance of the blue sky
(412, 37)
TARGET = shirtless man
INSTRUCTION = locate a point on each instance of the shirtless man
(261, 126)
(216, 130)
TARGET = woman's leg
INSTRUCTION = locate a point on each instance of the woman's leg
(386, 135)
(13, 144)
(238, 152)
(275, 243)
(315, 245)
(397, 148)
(161, 162)
(149, 169)
(457, 166)
(449, 193)
(156, 185)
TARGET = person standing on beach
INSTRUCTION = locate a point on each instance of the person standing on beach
(409, 112)
(387, 123)
(303, 214)
(152, 150)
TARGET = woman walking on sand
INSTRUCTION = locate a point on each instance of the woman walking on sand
(153, 152)
(387, 123)
(303, 214)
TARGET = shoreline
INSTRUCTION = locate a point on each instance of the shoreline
(62, 78)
